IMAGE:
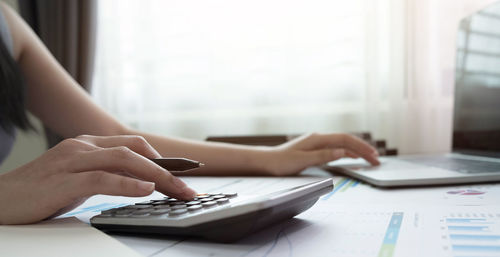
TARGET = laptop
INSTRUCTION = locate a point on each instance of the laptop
(475, 155)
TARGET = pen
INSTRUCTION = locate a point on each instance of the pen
(177, 164)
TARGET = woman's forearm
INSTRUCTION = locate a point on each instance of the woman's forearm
(219, 158)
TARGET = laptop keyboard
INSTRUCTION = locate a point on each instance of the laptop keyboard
(458, 164)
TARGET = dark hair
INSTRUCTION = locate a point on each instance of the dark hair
(12, 105)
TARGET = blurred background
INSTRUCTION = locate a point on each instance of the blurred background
(209, 68)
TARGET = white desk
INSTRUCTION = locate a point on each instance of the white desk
(354, 220)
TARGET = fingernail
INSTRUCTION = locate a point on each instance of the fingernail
(146, 186)
(179, 183)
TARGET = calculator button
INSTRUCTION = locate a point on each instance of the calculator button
(192, 203)
(141, 206)
(177, 212)
(231, 195)
(122, 215)
(194, 207)
(177, 207)
(160, 211)
(129, 207)
(144, 203)
(140, 215)
(215, 197)
(124, 211)
(222, 201)
(142, 211)
(172, 200)
(202, 197)
(160, 207)
(159, 202)
(208, 199)
(177, 203)
(209, 204)
(108, 211)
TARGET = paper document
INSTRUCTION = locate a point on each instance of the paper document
(370, 231)
(355, 219)
(360, 220)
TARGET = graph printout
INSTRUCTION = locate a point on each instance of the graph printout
(471, 233)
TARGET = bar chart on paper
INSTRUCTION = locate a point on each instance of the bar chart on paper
(471, 234)
(342, 185)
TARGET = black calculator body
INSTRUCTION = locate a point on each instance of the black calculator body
(222, 217)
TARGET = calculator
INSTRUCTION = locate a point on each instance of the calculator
(222, 217)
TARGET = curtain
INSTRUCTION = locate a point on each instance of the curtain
(68, 29)
(207, 68)
(210, 68)
(425, 115)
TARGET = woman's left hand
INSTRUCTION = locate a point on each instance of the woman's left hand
(315, 149)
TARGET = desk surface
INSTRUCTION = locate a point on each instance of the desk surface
(353, 220)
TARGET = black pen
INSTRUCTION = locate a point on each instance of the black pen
(177, 164)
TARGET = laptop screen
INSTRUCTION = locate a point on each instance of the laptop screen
(476, 127)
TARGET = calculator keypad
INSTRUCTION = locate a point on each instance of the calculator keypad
(170, 207)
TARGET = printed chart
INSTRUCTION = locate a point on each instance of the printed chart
(342, 185)
(471, 234)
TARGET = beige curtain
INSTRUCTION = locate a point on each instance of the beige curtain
(68, 29)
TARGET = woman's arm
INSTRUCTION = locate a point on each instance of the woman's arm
(286, 159)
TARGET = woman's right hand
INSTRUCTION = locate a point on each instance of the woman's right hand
(77, 168)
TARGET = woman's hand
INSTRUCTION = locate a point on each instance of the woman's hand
(75, 169)
(315, 149)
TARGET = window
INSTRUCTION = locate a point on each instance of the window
(225, 67)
